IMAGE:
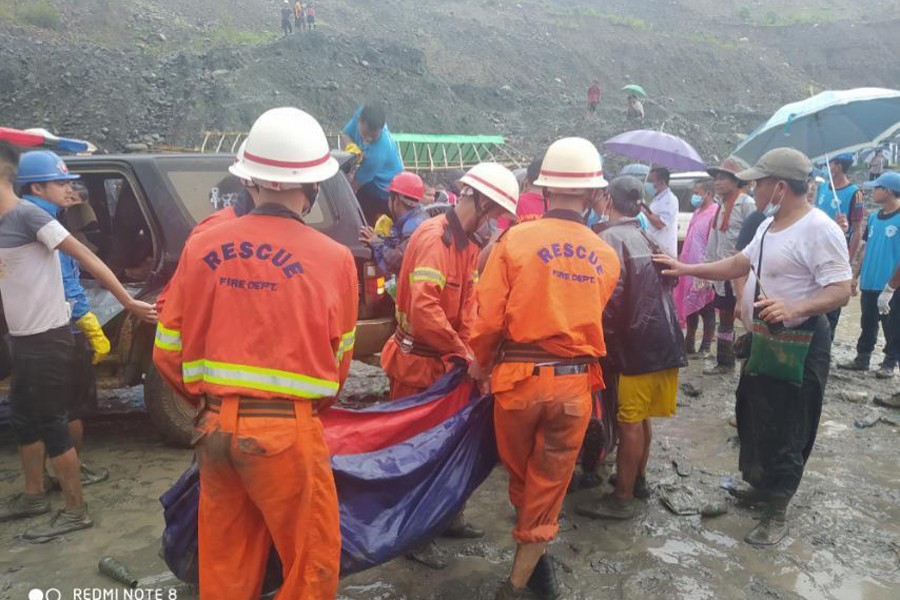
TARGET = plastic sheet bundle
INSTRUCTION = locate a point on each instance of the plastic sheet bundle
(403, 470)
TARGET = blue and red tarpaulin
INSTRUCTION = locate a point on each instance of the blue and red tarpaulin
(41, 138)
(403, 470)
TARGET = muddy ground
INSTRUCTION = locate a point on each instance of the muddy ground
(843, 545)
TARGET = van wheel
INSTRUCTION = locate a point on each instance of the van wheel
(172, 416)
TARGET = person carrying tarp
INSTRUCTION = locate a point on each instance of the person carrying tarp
(538, 336)
(258, 331)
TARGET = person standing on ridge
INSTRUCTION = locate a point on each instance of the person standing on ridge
(286, 14)
(258, 332)
(538, 338)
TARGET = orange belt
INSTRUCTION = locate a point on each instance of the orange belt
(276, 408)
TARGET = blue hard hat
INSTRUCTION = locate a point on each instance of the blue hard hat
(40, 166)
(844, 157)
(889, 180)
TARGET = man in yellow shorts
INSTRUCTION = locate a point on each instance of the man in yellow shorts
(645, 346)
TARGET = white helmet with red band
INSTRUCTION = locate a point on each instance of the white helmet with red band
(285, 148)
(237, 169)
(496, 182)
(571, 164)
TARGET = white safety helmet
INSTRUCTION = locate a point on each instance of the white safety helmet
(571, 165)
(496, 182)
(285, 149)
(237, 169)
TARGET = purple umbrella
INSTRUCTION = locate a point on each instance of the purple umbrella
(658, 148)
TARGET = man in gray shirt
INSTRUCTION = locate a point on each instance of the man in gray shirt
(43, 349)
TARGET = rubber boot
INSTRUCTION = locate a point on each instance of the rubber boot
(430, 555)
(462, 529)
(608, 507)
(706, 343)
(23, 506)
(690, 341)
(772, 527)
(724, 354)
(508, 592)
(888, 366)
(860, 363)
(750, 495)
(543, 581)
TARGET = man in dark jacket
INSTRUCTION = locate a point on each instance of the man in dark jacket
(645, 346)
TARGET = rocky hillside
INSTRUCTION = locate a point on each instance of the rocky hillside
(157, 72)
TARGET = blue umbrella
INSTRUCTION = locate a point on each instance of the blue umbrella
(827, 124)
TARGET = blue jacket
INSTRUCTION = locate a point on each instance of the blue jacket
(389, 251)
(71, 274)
(381, 159)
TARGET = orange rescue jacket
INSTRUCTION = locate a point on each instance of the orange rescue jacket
(263, 306)
(546, 283)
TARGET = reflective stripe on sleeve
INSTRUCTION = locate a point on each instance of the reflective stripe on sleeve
(427, 274)
(258, 378)
(167, 339)
(348, 340)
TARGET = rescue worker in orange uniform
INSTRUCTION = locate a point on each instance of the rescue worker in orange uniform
(248, 198)
(538, 335)
(435, 289)
(435, 301)
(258, 332)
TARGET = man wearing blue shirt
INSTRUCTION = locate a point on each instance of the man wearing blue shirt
(879, 278)
(367, 134)
(407, 191)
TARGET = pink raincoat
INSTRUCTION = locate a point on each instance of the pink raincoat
(688, 298)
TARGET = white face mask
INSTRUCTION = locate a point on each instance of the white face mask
(773, 206)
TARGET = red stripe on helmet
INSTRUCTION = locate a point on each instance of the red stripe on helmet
(270, 162)
(567, 174)
(492, 186)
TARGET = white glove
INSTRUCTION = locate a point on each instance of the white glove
(884, 300)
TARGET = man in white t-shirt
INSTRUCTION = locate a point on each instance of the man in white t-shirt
(800, 259)
(662, 213)
(37, 314)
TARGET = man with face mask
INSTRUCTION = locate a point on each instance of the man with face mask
(538, 337)
(407, 191)
(734, 207)
(798, 271)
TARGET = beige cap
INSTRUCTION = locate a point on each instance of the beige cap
(783, 163)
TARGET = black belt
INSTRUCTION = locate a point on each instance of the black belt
(561, 370)
(274, 408)
(409, 345)
(516, 352)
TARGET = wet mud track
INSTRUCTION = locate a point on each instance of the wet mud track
(844, 542)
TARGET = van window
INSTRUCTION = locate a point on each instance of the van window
(205, 191)
(111, 222)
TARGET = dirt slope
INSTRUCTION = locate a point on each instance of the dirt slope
(160, 70)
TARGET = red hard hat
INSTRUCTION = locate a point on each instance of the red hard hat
(408, 185)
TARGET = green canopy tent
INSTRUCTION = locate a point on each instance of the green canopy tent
(425, 152)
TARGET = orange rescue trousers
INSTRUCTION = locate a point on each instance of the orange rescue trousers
(540, 424)
(266, 479)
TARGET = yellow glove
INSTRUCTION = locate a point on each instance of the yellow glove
(90, 327)
(353, 148)
(383, 226)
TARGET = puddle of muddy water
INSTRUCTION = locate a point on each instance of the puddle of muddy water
(844, 520)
